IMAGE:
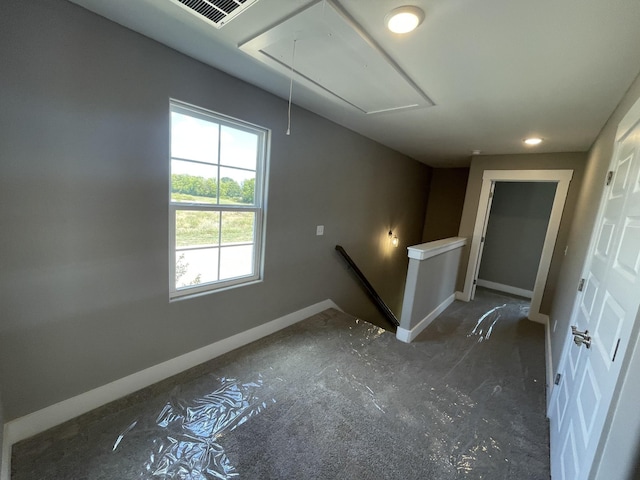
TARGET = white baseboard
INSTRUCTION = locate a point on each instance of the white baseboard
(539, 317)
(461, 296)
(41, 420)
(408, 336)
(521, 292)
(5, 460)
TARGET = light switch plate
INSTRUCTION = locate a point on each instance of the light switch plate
(320, 230)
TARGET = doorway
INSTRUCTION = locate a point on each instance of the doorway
(489, 179)
(516, 229)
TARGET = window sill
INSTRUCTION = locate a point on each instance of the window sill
(176, 297)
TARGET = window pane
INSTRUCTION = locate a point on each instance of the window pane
(193, 182)
(236, 261)
(237, 227)
(193, 138)
(238, 148)
(194, 228)
(237, 187)
(217, 183)
(194, 267)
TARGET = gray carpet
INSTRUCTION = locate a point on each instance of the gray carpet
(330, 397)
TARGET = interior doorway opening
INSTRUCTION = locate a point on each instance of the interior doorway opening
(516, 228)
(561, 179)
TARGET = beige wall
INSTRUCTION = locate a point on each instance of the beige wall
(544, 161)
(446, 198)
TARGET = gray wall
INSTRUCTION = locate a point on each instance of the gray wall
(1, 430)
(623, 425)
(543, 161)
(446, 199)
(429, 283)
(515, 232)
(584, 216)
(84, 217)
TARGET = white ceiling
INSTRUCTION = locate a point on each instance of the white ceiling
(497, 70)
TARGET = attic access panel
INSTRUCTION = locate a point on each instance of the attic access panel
(335, 56)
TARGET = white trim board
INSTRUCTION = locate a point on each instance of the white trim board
(538, 317)
(431, 249)
(5, 464)
(521, 292)
(48, 417)
(548, 361)
(408, 336)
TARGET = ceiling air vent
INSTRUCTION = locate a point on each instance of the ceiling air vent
(218, 12)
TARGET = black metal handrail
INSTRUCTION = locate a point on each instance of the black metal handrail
(383, 307)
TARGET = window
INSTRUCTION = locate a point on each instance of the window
(216, 205)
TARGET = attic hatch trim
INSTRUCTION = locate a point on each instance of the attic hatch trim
(302, 76)
(375, 46)
(215, 12)
(256, 48)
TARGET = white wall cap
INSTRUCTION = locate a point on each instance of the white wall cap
(431, 249)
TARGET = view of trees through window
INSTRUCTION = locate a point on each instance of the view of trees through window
(193, 189)
(216, 215)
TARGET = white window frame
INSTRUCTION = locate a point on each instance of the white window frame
(259, 207)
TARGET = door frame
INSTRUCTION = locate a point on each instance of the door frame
(483, 235)
(489, 177)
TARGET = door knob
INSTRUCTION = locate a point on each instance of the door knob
(581, 338)
(586, 341)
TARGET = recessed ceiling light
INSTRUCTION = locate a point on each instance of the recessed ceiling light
(404, 19)
(533, 141)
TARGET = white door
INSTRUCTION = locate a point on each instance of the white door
(607, 308)
(484, 235)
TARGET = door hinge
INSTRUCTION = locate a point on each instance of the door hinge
(581, 285)
(557, 380)
(481, 239)
(609, 177)
(475, 282)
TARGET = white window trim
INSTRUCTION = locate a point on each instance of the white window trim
(259, 208)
